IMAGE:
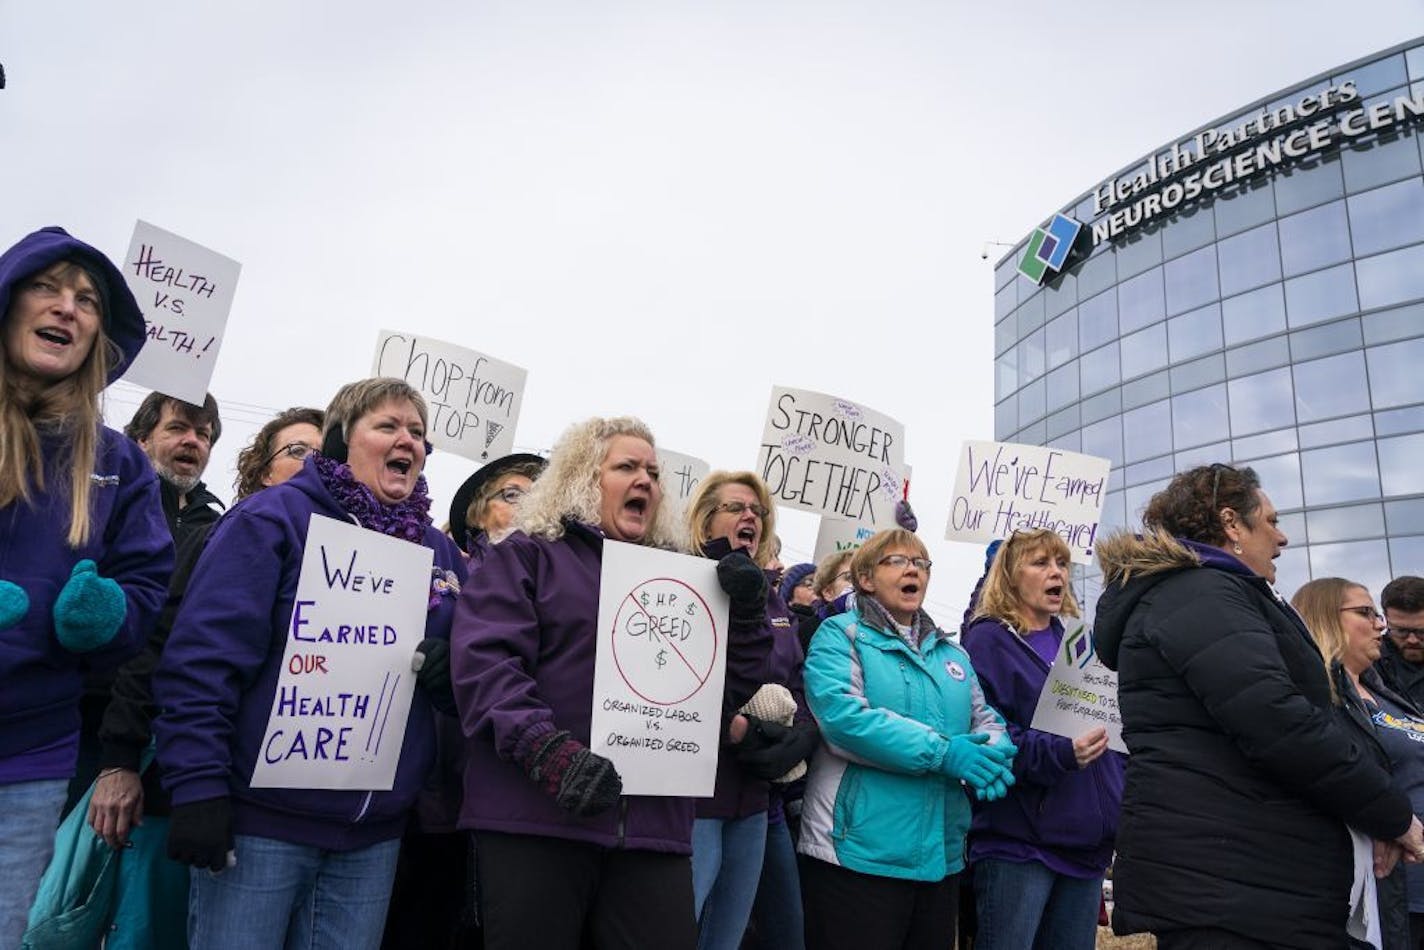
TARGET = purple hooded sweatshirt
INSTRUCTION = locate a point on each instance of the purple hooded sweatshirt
(218, 675)
(41, 681)
(522, 653)
(1057, 815)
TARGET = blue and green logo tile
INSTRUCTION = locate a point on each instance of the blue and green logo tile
(1048, 248)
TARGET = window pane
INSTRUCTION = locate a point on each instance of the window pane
(1261, 402)
(1320, 296)
(1004, 335)
(1097, 274)
(1268, 354)
(1031, 404)
(1397, 373)
(1006, 418)
(1389, 325)
(1254, 315)
(1389, 157)
(1194, 333)
(1345, 524)
(1340, 473)
(1062, 339)
(1365, 562)
(1062, 386)
(1343, 429)
(1097, 320)
(1199, 417)
(1061, 422)
(1187, 232)
(1101, 406)
(1309, 184)
(1402, 465)
(1405, 517)
(1104, 439)
(1280, 478)
(1391, 278)
(1006, 375)
(1407, 555)
(1240, 210)
(1251, 259)
(1031, 358)
(1282, 440)
(1377, 76)
(1147, 431)
(1140, 301)
(1145, 389)
(1144, 351)
(1387, 217)
(1062, 294)
(1191, 280)
(1322, 341)
(1315, 238)
(1210, 369)
(1334, 386)
(1138, 254)
(1099, 369)
(1030, 314)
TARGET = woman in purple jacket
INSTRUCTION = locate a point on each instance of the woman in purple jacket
(295, 867)
(1038, 855)
(84, 551)
(733, 511)
(560, 851)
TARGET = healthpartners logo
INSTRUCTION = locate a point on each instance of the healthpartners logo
(1048, 248)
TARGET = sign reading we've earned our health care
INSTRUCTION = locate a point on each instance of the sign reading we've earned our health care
(659, 669)
(1003, 487)
(474, 399)
(339, 712)
(185, 292)
(1080, 694)
(829, 455)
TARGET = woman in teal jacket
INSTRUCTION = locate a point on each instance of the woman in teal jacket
(904, 727)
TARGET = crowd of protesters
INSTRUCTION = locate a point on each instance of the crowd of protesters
(873, 765)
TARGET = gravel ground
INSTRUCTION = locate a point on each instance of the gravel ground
(1106, 941)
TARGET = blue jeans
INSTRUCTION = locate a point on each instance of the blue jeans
(726, 866)
(29, 816)
(293, 895)
(1028, 907)
(777, 911)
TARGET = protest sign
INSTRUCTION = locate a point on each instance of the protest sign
(837, 535)
(473, 399)
(680, 476)
(657, 678)
(1003, 487)
(185, 292)
(823, 454)
(1080, 694)
(339, 712)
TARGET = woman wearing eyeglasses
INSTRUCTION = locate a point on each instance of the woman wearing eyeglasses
(1039, 854)
(483, 509)
(904, 726)
(1348, 629)
(277, 451)
(1242, 781)
(742, 821)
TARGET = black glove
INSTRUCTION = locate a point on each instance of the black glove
(581, 781)
(431, 664)
(746, 587)
(200, 834)
(777, 749)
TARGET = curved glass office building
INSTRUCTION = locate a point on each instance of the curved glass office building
(1253, 292)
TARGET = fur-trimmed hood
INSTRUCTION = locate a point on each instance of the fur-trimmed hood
(1132, 565)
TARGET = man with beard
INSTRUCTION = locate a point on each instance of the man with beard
(178, 437)
(1401, 659)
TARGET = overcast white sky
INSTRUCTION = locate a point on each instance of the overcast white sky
(657, 208)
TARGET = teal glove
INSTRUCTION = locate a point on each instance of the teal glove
(970, 759)
(14, 604)
(89, 609)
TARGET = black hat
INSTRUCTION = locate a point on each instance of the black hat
(476, 483)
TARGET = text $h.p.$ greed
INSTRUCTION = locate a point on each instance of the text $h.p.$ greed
(1021, 488)
(321, 741)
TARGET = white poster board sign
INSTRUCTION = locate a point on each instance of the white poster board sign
(1080, 694)
(681, 474)
(838, 535)
(1003, 487)
(658, 675)
(473, 399)
(339, 713)
(185, 292)
(829, 455)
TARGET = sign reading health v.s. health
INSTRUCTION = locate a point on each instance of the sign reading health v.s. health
(1003, 487)
(185, 292)
(1080, 693)
(339, 713)
(659, 669)
(829, 455)
(474, 399)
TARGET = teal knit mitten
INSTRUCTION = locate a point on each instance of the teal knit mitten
(89, 609)
(14, 604)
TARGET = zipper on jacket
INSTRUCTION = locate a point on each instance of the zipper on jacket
(365, 805)
(622, 819)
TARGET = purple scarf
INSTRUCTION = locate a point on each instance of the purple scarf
(406, 519)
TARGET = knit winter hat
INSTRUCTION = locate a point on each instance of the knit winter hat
(795, 574)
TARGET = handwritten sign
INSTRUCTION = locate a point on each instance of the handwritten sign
(185, 292)
(339, 713)
(474, 399)
(833, 456)
(680, 475)
(658, 674)
(1080, 694)
(1003, 487)
(837, 535)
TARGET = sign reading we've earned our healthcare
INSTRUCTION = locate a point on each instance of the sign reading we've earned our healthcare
(474, 399)
(339, 712)
(185, 292)
(829, 455)
(1003, 487)
(1080, 694)
(659, 669)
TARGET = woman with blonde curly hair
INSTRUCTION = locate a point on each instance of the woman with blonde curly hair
(1037, 855)
(559, 849)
